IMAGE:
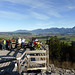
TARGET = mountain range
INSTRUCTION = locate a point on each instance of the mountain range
(50, 30)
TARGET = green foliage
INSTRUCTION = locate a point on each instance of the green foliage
(72, 52)
(54, 47)
(61, 51)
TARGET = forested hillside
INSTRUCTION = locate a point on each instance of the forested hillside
(61, 52)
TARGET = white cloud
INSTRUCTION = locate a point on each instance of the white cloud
(71, 7)
(46, 8)
(45, 25)
(12, 15)
(41, 5)
(39, 16)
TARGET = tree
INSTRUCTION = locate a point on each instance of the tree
(54, 47)
(61, 51)
(72, 52)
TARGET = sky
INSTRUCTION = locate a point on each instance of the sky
(36, 14)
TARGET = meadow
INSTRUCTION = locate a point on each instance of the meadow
(63, 38)
(67, 38)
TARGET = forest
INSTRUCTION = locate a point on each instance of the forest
(60, 52)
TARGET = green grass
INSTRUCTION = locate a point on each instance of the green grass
(43, 38)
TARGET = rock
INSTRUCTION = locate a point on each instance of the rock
(72, 70)
(55, 74)
(59, 71)
(48, 68)
(51, 68)
(68, 71)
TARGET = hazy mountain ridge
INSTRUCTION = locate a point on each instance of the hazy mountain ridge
(42, 31)
(55, 30)
(21, 31)
(51, 30)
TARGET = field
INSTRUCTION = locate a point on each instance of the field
(65, 38)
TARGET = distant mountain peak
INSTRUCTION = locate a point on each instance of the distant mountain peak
(54, 30)
(21, 30)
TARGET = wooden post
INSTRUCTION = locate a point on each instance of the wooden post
(45, 59)
(47, 52)
(18, 66)
(27, 61)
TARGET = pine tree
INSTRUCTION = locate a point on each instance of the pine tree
(54, 46)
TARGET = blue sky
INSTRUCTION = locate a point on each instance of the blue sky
(35, 14)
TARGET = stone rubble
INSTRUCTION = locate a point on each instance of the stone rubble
(60, 71)
(52, 70)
